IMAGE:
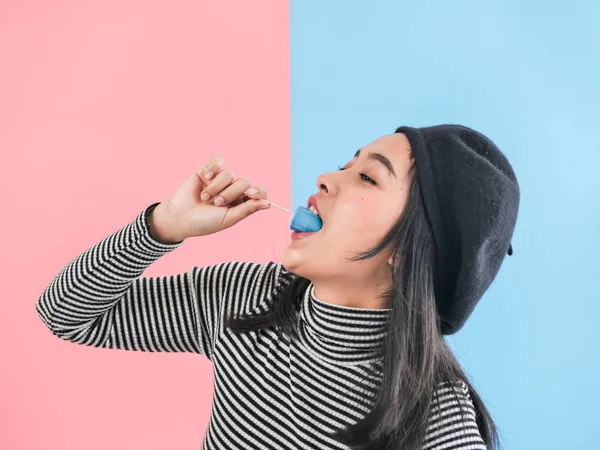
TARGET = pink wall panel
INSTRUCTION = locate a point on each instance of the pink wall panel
(105, 107)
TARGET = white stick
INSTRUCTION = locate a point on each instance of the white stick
(276, 206)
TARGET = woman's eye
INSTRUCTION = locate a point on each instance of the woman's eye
(363, 177)
(368, 179)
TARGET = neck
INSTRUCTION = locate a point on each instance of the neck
(352, 291)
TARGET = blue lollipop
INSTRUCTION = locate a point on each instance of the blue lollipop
(303, 221)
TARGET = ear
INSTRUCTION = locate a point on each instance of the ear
(390, 261)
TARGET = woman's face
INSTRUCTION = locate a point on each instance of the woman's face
(358, 206)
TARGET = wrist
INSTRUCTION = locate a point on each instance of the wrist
(162, 227)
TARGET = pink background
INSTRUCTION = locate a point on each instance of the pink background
(105, 107)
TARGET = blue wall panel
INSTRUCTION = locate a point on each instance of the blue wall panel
(527, 76)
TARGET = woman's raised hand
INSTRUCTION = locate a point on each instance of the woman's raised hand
(209, 201)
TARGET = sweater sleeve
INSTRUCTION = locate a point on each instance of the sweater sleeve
(448, 429)
(100, 298)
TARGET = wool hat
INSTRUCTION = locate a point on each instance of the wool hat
(471, 197)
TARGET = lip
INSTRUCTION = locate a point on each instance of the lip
(297, 236)
(312, 201)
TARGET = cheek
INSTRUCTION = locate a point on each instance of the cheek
(363, 215)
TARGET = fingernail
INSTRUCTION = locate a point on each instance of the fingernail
(219, 201)
(205, 197)
(263, 206)
(209, 175)
(251, 191)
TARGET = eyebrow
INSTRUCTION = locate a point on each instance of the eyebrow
(382, 159)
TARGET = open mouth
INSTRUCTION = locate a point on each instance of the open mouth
(306, 220)
(314, 211)
(313, 205)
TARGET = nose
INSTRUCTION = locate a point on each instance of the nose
(326, 183)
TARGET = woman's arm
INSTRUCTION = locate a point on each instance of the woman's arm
(100, 299)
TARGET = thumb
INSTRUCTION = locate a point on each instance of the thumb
(239, 212)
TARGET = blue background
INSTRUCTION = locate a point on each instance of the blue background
(527, 76)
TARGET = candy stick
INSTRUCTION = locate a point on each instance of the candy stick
(276, 206)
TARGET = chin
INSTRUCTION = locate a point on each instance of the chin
(293, 261)
(290, 259)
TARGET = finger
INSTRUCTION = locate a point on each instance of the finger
(220, 182)
(257, 192)
(243, 210)
(233, 193)
(254, 192)
(213, 166)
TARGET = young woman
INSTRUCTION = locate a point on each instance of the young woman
(341, 344)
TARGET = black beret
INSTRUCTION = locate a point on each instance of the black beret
(471, 198)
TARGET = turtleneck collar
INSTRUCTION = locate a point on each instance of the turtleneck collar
(341, 334)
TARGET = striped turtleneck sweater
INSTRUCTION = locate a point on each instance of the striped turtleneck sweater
(270, 392)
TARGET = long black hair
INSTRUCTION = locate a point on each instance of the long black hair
(415, 356)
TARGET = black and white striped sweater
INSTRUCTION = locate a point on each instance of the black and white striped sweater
(269, 392)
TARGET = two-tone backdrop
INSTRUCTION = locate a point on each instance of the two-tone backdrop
(106, 106)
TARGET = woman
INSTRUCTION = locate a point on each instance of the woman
(340, 345)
